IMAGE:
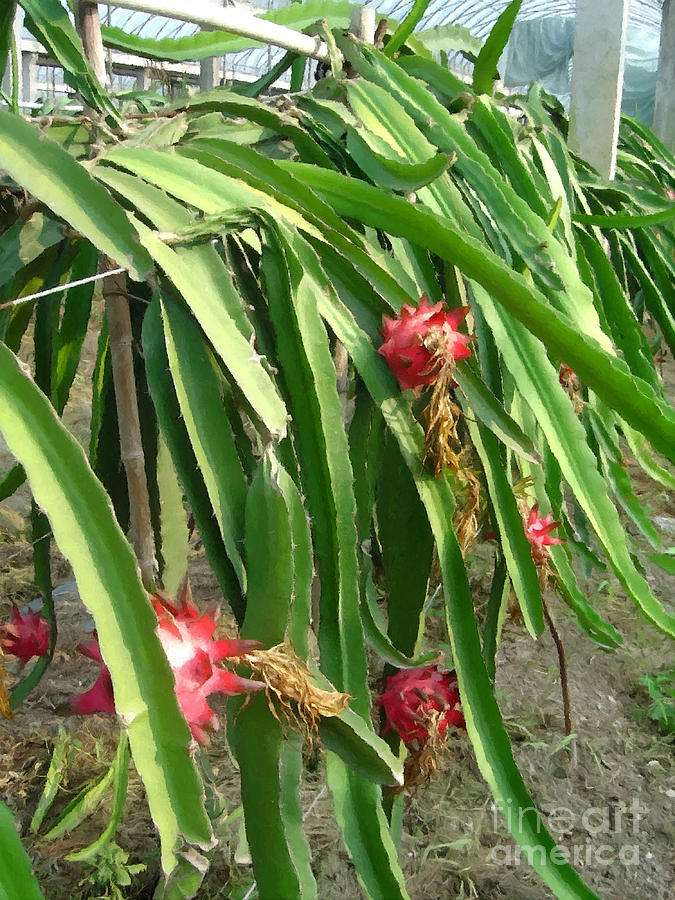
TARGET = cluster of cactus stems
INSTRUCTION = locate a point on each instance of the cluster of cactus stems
(260, 269)
(421, 346)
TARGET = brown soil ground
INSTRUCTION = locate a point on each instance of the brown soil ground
(607, 794)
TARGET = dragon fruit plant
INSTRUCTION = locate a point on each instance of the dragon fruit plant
(337, 360)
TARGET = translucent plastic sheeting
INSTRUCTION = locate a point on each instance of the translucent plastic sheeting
(540, 49)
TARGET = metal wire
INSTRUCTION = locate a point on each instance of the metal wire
(61, 287)
(32, 544)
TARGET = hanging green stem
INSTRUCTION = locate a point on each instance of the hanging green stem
(406, 28)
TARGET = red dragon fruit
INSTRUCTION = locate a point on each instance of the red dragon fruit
(99, 698)
(187, 639)
(420, 704)
(25, 636)
(538, 532)
(421, 340)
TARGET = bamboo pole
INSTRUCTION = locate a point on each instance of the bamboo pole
(88, 26)
(236, 21)
(131, 445)
(121, 352)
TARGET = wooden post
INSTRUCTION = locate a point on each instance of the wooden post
(121, 352)
(88, 27)
(131, 445)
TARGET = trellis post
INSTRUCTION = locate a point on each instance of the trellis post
(121, 352)
(664, 101)
(88, 26)
(597, 81)
(209, 68)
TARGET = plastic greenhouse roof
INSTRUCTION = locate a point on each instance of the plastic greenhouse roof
(477, 15)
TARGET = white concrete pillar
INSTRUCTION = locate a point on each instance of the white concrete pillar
(28, 76)
(664, 101)
(143, 79)
(209, 73)
(362, 23)
(597, 81)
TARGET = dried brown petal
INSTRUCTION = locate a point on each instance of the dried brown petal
(287, 679)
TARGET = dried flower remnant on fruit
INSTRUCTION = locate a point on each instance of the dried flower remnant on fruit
(187, 638)
(100, 697)
(26, 635)
(421, 341)
(470, 506)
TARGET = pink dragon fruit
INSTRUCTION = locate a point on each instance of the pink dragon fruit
(420, 704)
(538, 532)
(187, 639)
(421, 340)
(25, 636)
